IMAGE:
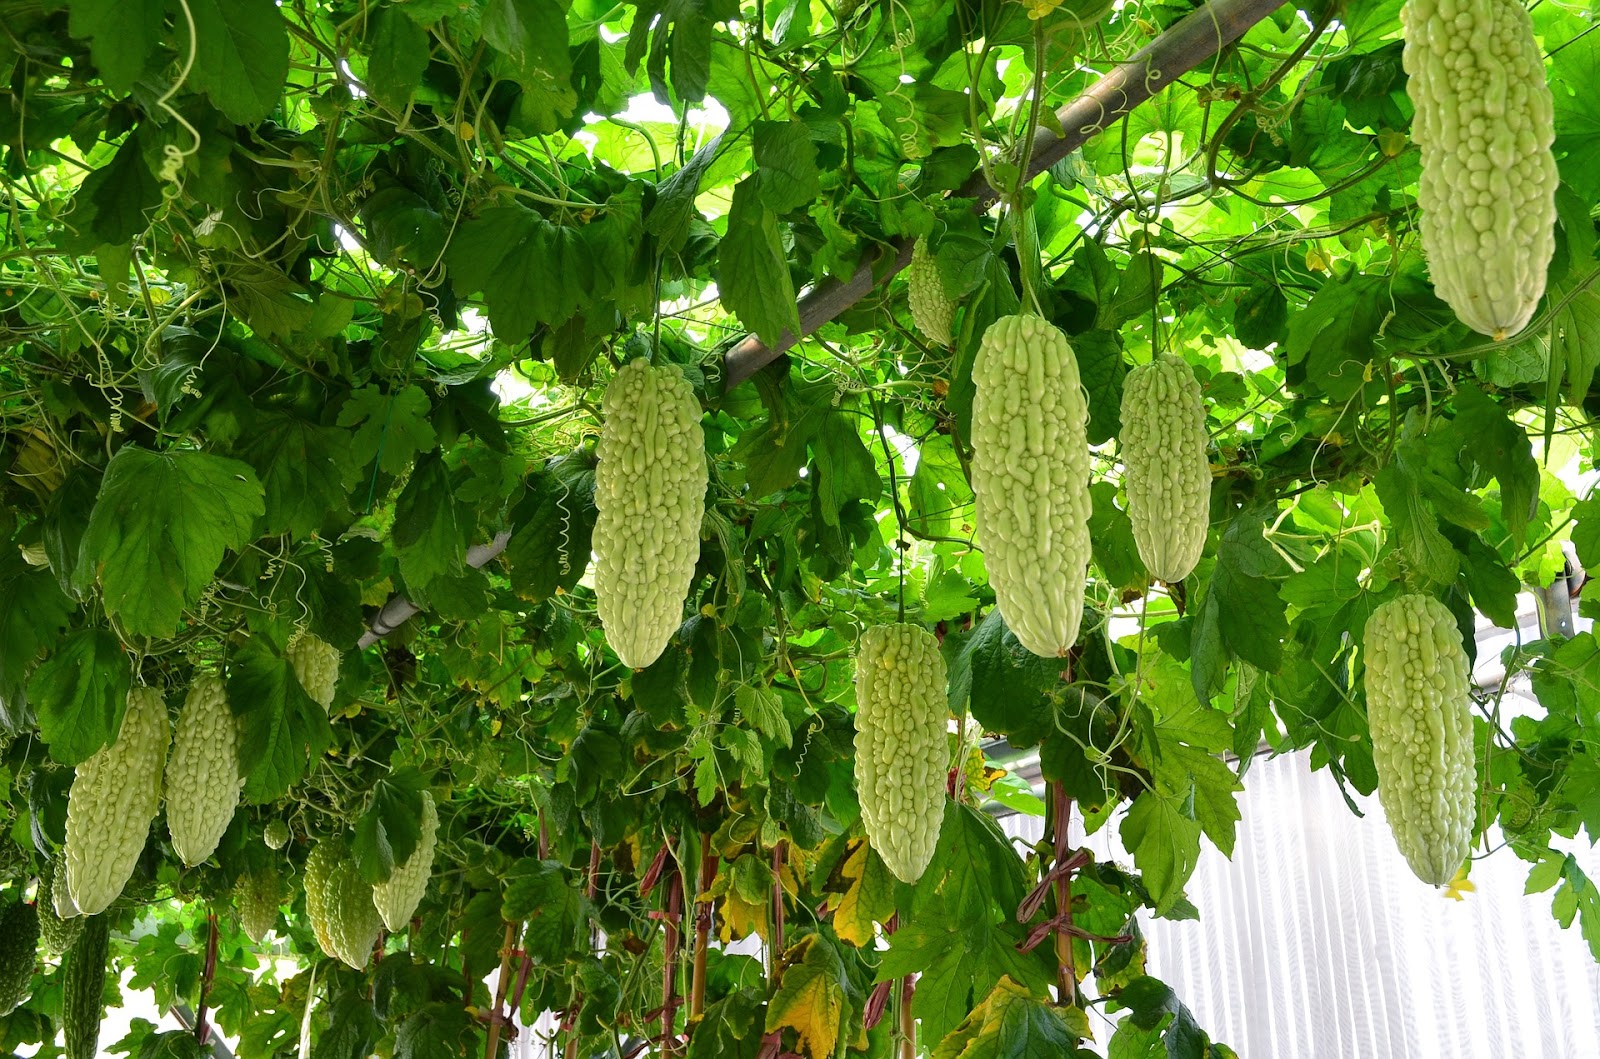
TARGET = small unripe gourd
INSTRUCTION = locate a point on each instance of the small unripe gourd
(203, 776)
(1418, 708)
(114, 797)
(316, 666)
(902, 744)
(649, 497)
(931, 308)
(1485, 122)
(1030, 479)
(1166, 473)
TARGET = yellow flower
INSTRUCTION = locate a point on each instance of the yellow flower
(1460, 886)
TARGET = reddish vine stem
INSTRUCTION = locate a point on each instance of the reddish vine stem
(495, 1017)
(1062, 804)
(202, 1028)
(591, 887)
(908, 1025)
(669, 975)
(777, 907)
(702, 927)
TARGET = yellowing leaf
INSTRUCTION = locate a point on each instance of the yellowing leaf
(868, 897)
(1011, 1023)
(811, 998)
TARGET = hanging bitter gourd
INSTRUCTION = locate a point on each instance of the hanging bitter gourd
(316, 666)
(398, 896)
(1418, 708)
(902, 744)
(19, 951)
(257, 895)
(275, 834)
(203, 776)
(1030, 479)
(339, 904)
(83, 981)
(649, 497)
(931, 308)
(114, 797)
(1166, 473)
(57, 933)
(1485, 123)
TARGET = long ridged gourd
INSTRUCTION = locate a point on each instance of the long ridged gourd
(19, 952)
(114, 797)
(931, 308)
(1418, 708)
(339, 904)
(1485, 123)
(1166, 473)
(1030, 478)
(203, 776)
(57, 933)
(902, 744)
(83, 981)
(649, 495)
(398, 896)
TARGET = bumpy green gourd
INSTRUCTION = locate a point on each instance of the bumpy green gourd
(1030, 477)
(57, 934)
(203, 776)
(339, 904)
(1418, 710)
(275, 834)
(257, 895)
(902, 744)
(931, 308)
(19, 950)
(83, 980)
(1485, 123)
(316, 666)
(114, 797)
(1166, 473)
(399, 895)
(649, 494)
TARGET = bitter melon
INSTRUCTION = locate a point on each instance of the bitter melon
(83, 980)
(316, 666)
(931, 308)
(257, 895)
(649, 495)
(276, 834)
(902, 744)
(398, 896)
(339, 904)
(58, 934)
(114, 797)
(1030, 478)
(1418, 709)
(1485, 123)
(203, 776)
(19, 951)
(1166, 473)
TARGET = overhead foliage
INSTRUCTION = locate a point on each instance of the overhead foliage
(304, 305)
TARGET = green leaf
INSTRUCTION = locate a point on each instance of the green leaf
(397, 57)
(281, 730)
(306, 473)
(753, 269)
(1012, 1023)
(786, 164)
(33, 610)
(241, 56)
(392, 428)
(541, 892)
(114, 203)
(1102, 370)
(1111, 531)
(80, 693)
(1576, 70)
(1163, 835)
(531, 35)
(1242, 614)
(1499, 447)
(1331, 341)
(431, 531)
(121, 34)
(160, 526)
(1007, 685)
(387, 833)
(1415, 525)
(668, 220)
(549, 548)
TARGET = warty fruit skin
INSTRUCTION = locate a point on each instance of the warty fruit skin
(203, 775)
(397, 897)
(19, 951)
(1419, 711)
(339, 904)
(1030, 479)
(902, 744)
(1485, 122)
(83, 981)
(316, 666)
(649, 495)
(931, 308)
(1166, 473)
(115, 795)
